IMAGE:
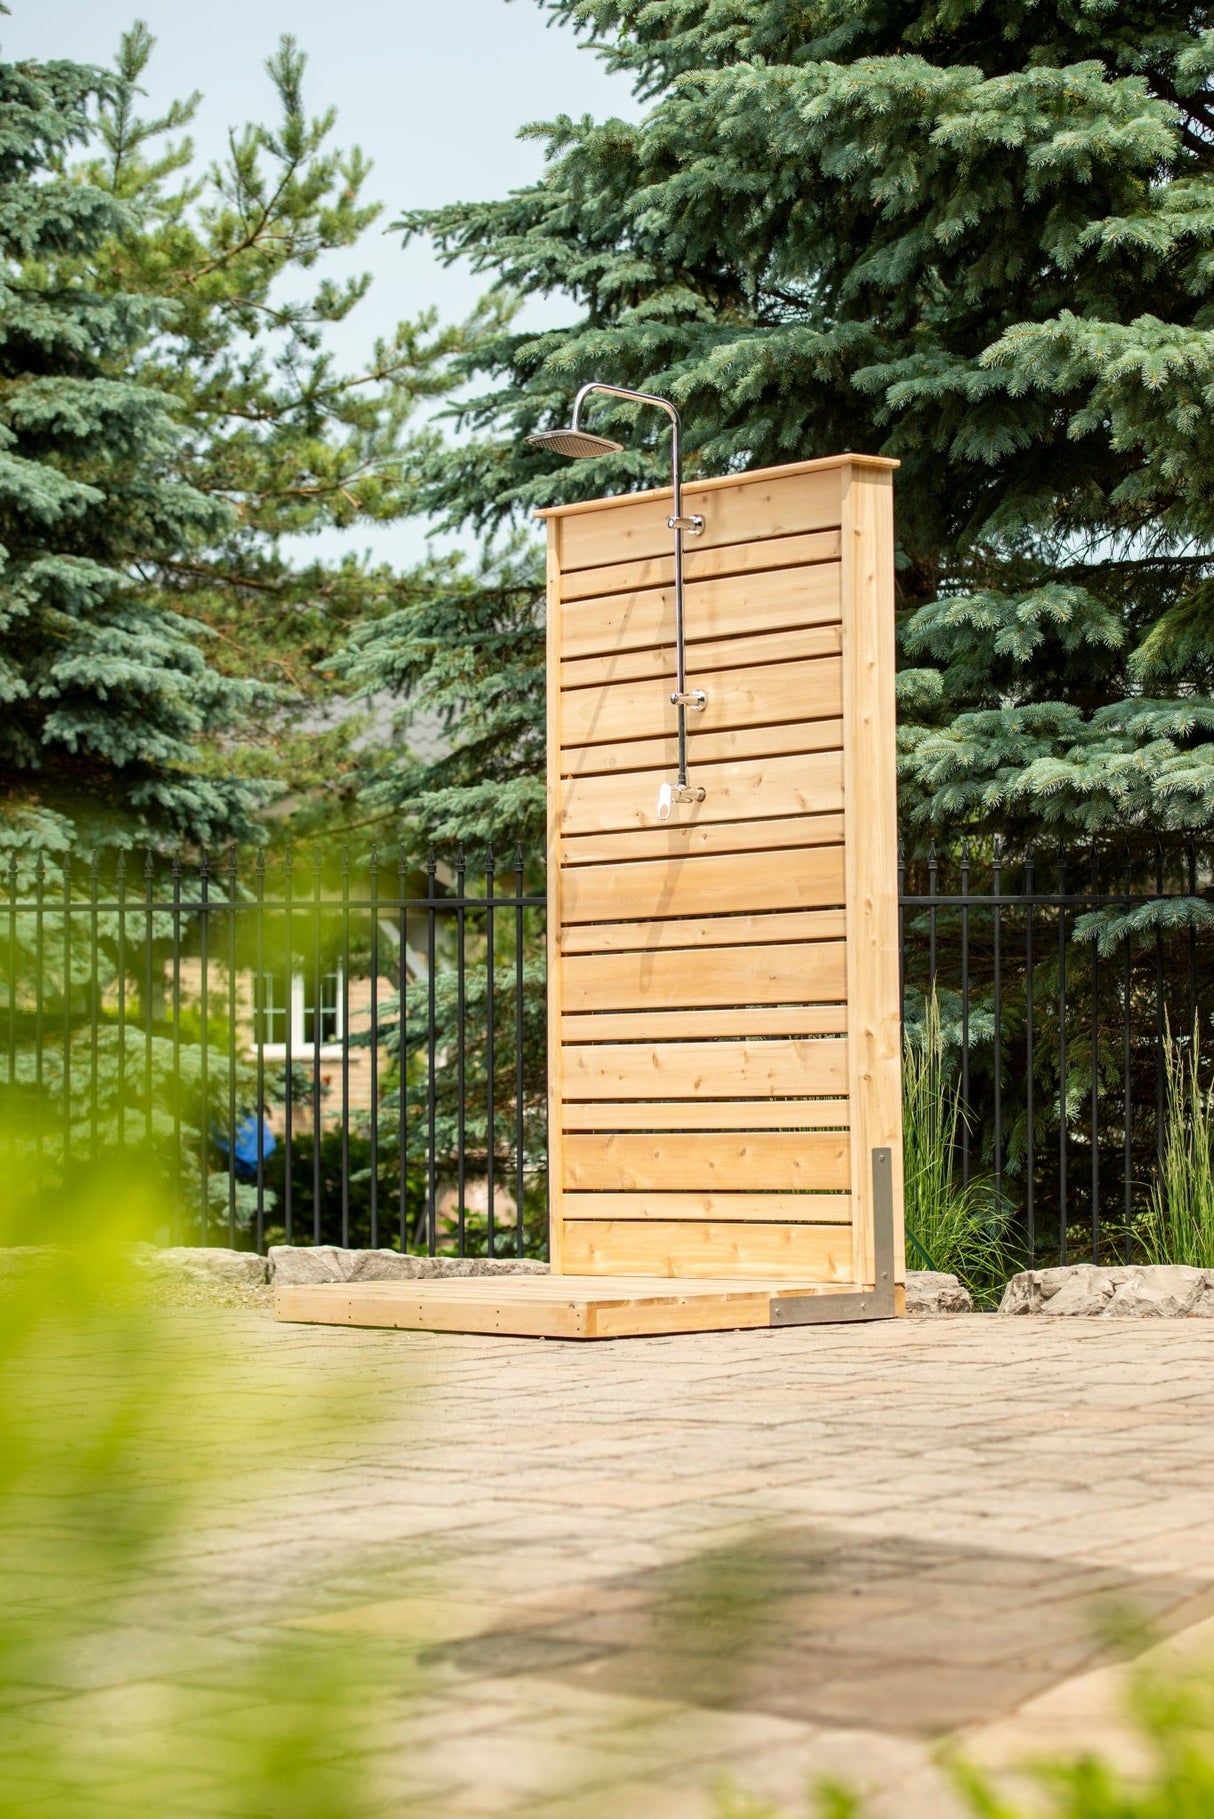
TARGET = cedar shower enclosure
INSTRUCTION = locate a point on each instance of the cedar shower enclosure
(724, 1047)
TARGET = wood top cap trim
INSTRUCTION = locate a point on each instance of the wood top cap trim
(882, 463)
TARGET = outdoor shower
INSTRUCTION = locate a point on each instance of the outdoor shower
(579, 444)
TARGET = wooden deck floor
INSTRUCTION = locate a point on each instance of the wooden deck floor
(544, 1307)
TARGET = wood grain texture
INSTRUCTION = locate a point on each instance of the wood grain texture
(751, 509)
(624, 1247)
(704, 931)
(807, 1163)
(808, 783)
(708, 1115)
(542, 1307)
(805, 973)
(760, 696)
(800, 643)
(783, 1068)
(613, 625)
(871, 864)
(811, 878)
(702, 1025)
(740, 746)
(691, 840)
(731, 559)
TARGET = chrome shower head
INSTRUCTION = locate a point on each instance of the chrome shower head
(575, 443)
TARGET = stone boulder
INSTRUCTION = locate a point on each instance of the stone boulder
(933, 1292)
(1165, 1291)
(295, 1263)
(187, 1263)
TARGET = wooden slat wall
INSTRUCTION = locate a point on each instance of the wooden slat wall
(714, 1092)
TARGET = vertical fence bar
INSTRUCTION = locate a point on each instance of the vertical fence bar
(901, 946)
(204, 1114)
(403, 1108)
(259, 1040)
(317, 1184)
(288, 1089)
(232, 1016)
(461, 1037)
(431, 1055)
(345, 1045)
(519, 1133)
(965, 1012)
(12, 980)
(94, 1012)
(1030, 1158)
(933, 888)
(121, 895)
(177, 1206)
(373, 883)
(1062, 1106)
(39, 976)
(67, 1017)
(997, 963)
(490, 1056)
(1160, 1020)
(1127, 1112)
(149, 938)
(1094, 1087)
(1191, 855)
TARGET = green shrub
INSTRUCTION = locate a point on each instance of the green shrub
(1179, 1227)
(953, 1226)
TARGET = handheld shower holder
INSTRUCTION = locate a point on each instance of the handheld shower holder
(693, 697)
(693, 525)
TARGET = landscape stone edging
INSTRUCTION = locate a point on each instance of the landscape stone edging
(1160, 1291)
(300, 1263)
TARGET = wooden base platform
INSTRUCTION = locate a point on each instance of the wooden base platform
(578, 1307)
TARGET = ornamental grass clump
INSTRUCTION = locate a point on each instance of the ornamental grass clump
(1179, 1227)
(951, 1225)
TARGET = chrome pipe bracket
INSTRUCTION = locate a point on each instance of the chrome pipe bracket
(694, 698)
(693, 525)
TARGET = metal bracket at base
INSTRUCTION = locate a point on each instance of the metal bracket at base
(868, 1304)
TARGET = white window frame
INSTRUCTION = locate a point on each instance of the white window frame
(302, 1051)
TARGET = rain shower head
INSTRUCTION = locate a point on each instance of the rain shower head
(574, 442)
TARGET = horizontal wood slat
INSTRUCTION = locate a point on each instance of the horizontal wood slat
(677, 840)
(701, 565)
(807, 973)
(703, 931)
(707, 1115)
(783, 1068)
(670, 1026)
(809, 878)
(742, 746)
(649, 1207)
(805, 1164)
(760, 696)
(751, 510)
(736, 606)
(814, 1253)
(809, 783)
(797, 644)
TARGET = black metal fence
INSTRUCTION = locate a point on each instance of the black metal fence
(352, 1049)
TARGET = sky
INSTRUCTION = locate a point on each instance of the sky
(434, 91)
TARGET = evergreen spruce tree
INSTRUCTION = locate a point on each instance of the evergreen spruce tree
(106, 689)
(972, 234)
(275, 432)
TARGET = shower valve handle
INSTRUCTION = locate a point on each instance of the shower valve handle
(670, 793)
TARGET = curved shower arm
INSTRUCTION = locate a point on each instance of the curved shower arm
(663, 404)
